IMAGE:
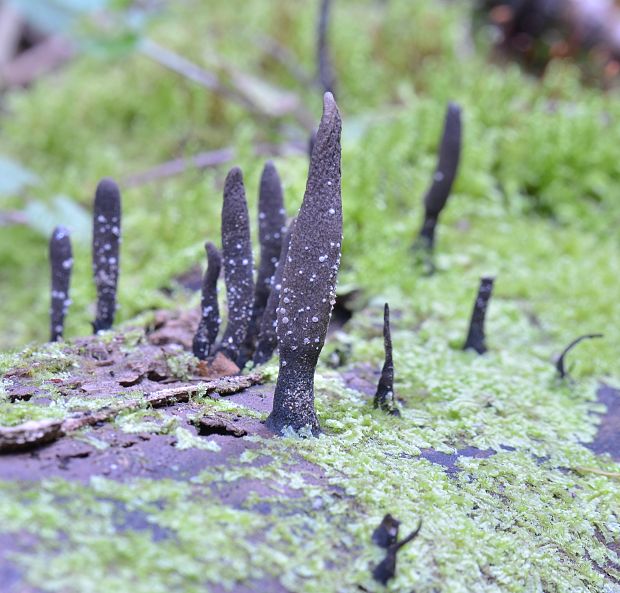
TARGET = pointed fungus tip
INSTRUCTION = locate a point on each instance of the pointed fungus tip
(235, 175)
(330, 108)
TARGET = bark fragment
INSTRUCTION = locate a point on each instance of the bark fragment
(38, 432)
(309, 280)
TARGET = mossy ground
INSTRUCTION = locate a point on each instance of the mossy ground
(535, 204)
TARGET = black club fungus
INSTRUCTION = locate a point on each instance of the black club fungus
(309, 281)
(210, 313)
(267, 337)
(271, 230)
(61, 264)
(106, 243)
(238, 264)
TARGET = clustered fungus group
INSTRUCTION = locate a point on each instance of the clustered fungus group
(289, 306)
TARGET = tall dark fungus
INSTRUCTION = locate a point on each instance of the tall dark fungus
(61, 264)
(384, 397)
(476, 339)
(309, 281)
(209, 310)
(238, 264)
(106, 243)
(267, 337)
(271, 231)
(447, 166)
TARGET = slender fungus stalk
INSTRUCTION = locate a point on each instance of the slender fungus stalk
(210, 312)
(267, 337)
(386, 569)
(326, 73)
(106, 241)
(475, 337)
(61, 264)
(271, 228)
(443, 178)
(384, 397)
(238, 264)
(309, 281)
(559, 365)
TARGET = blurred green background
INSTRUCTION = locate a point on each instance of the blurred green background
(536, 200)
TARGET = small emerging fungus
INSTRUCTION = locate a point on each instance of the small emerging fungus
(309, 281)
(386, 569)
(475, 337)
(559, 365)
(61, 264)
(443, 178)
(271, 228)
(238, 264)
(267, 337)
(106, 241)
(210, 313)
(386, 533)
(384, 397)
(326, 74)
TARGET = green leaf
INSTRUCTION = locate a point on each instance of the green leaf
(43, 217)
(13, 176)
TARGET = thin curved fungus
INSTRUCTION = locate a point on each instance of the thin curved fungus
(443, 178)
(476, 339)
